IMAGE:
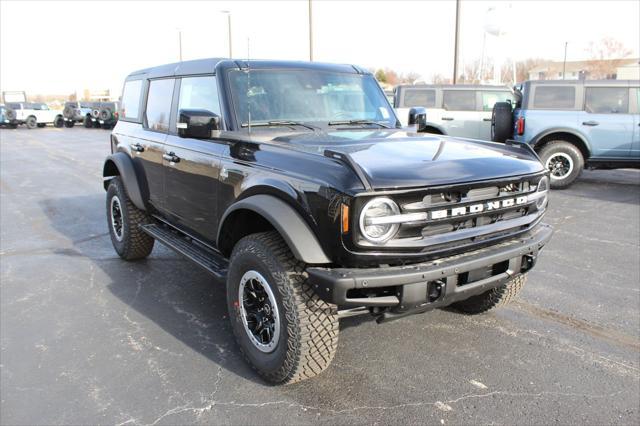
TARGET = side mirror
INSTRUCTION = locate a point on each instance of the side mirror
(197, 123)
(418, 116)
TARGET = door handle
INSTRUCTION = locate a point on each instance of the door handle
(172, 157)
(447, 118)
(590, 123)
(137, 147)
(486, 119)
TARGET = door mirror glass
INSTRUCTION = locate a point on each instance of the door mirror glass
(197, 123)
(418, 117)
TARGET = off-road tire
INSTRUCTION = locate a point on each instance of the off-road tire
(308, 325)
(96, 124)
(31, 122)
(41, 125)
(87, 122)
(69, 124)
(493, 298)
(562, 147)
(58, 122)
(501, 122)
(135, 243)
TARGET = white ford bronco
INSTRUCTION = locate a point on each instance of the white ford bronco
(36, 114)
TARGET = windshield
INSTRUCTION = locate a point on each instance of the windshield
(308, 96)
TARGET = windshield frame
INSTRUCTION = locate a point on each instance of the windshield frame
(392, 121)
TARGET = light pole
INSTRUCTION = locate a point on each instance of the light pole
(228, 13)
(456, 40)
(180, 43)
(310, 32)
(564, 63)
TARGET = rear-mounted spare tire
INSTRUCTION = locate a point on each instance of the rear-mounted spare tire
(501, 122)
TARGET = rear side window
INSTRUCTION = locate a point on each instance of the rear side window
(489, 98)
(459, 100)
(607, 100)
(131, 100)
(419, 98)
(199, 93)
(554, 97)
(159, 104)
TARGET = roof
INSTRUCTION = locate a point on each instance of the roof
(577, 66)
(583, 82)
(453, 86)
(209, 65)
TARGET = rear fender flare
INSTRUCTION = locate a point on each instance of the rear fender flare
(120, 164)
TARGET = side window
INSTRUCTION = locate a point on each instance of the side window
(607, 100)
(459, 100)
(199, 93)
(489, 98)
(159, 104)
(554, 97)
(131, 93)
(419, 98)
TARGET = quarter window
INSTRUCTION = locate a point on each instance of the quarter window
(199, 93)
(459, 100)
(554, 97)
(489, 99)
(607, 100)
(419, 98)
(131, 94)
(159, 104)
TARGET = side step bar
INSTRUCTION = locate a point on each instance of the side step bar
(210, 260)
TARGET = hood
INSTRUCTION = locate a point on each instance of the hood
(400, 159)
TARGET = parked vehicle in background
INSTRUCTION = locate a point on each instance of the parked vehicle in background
(8, 117)
(455, 110)
(108, 116)
(573, 124)
(36, 114)
(93, 119)
(295, 182)
(76, 112)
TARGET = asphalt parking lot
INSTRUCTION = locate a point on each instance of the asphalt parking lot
(87, 338)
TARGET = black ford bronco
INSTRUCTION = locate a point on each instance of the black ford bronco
(295, 182)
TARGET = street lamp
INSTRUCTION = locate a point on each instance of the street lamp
(310, 32)
(228, 13)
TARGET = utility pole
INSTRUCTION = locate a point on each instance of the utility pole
(310, 32)
(228, 13)
(564, 63)
(456, 41)
(180, 43)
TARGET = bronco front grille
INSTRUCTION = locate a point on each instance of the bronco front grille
(442, 218)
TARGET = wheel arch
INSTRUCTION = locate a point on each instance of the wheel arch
(563, 134)
(263, 212)
(438, 130)
(119, 164)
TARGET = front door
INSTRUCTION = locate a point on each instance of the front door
(192, 166)
(607, 122)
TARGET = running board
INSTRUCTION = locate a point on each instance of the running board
(210, 260)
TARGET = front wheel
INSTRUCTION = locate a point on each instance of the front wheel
(58, 122)
(69, 124)
(124, 220)
(285, 331)
(564, 162)
(87, 122)
(31, 122)
(493, 298)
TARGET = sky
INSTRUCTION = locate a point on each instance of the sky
(58, 47)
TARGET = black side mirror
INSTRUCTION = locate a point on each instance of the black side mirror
(197, 123)
(418, 116)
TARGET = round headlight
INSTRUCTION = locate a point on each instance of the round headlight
(543, 190)
(372, 224)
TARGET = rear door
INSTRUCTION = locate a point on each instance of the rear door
(191, 179)
(486, 100)
(460, 116)
(607, 121)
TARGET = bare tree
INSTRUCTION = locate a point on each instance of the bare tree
(606, 56)
(438, 78)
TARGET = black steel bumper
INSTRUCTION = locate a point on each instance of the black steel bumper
(420, 287)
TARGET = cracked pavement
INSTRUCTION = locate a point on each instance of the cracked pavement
(86, 338)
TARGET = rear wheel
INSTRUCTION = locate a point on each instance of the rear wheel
(31, 122)
(285, 331)
(493, 298)
(69, 124)
(41, 125)
(564, 162)
(58, 122)
(87, 122)
(124, 220)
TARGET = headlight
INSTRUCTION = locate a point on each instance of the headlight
(372, 223)
(543, 192)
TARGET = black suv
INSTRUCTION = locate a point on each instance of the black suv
(295, 183)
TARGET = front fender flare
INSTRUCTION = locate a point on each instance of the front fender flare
(127, 173)
(294, 230)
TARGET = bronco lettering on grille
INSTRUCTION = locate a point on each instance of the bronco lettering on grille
(478, 208)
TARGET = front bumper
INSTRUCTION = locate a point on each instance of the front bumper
(424, 286)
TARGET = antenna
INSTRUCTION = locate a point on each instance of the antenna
(248, 71)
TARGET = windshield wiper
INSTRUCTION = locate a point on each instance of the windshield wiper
(343, 122)
(289, 123)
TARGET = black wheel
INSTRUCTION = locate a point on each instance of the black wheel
(96, 124)
(12, 126)
(87, 122)
(501, 122)
(493, 298)
(124, 220)
(564, 161)
(31, 122)
(58, 122)
(285, 331)
(41, 125)
(69, 124)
